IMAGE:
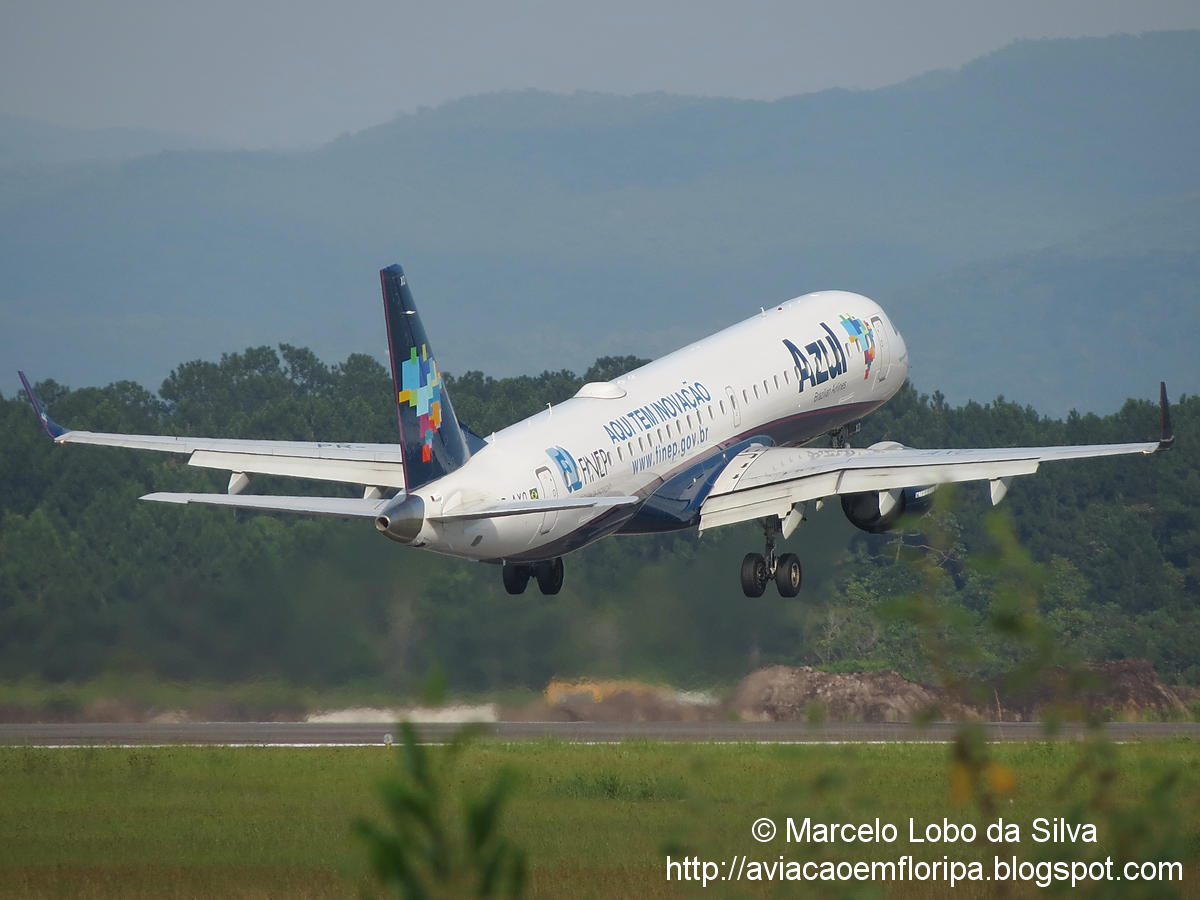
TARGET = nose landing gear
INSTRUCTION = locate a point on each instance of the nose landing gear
(760, 568)
(548, 574)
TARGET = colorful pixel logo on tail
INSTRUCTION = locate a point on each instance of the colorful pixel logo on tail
(421, 389)
(863, 337)
(431, 441)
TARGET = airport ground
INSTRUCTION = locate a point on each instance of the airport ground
(597, 820)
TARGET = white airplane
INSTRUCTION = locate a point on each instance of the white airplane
(709, 435)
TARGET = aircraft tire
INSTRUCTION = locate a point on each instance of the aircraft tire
(788, 575)
(515, 577)
(754, 575)
(550, 576)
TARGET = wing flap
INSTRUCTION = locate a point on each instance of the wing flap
(380, 473)
(380, 465)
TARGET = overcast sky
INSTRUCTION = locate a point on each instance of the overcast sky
(259, 73)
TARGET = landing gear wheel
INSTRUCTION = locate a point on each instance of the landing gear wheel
(550, 575)
(788, 575)
(515, 578)
(754, 575)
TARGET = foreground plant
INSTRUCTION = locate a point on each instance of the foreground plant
(437, 846)
(1151, 829)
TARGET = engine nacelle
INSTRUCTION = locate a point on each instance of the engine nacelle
(863, 510)
(402, 520)
(877, 511)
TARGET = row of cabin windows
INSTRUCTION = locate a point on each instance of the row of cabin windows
(721, 404)
(642, 447)
(767, 386)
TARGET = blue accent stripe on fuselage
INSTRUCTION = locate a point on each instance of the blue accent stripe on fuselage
(682, 491)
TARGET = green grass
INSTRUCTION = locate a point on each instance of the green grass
(596, 821)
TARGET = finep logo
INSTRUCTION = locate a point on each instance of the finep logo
(566, 465)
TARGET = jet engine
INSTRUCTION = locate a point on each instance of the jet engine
(403, 519)
(877, 511)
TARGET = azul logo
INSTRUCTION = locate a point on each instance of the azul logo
(824, 359)
(421, 391)
(566, 465)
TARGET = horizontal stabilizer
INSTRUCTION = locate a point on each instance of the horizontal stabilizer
(529, 507)
(319, 506)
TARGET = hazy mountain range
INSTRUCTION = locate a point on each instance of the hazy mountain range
(25, 141)
(1032, 220)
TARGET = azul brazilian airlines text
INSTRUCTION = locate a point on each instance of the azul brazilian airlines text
(709, 435)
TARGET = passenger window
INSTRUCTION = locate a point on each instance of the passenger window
(745, 396)
(689, 418)
(660, 437)
(776, 382)
(619, 456)
(785, 378)
(710, 413)
(721, 403)
(641, 447)
(756, 391)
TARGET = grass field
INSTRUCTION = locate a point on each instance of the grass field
(596, 821)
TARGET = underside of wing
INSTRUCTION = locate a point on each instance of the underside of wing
(771, 481)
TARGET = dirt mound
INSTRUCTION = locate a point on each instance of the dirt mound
(787, 694)
(1123, 689)
(1127, 689)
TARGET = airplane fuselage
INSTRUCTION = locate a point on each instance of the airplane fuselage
(664, 432)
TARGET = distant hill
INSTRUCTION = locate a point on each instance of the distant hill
(543, 231)
(1073, 325)
(32, 142)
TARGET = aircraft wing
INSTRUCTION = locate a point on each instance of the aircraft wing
(378, 465)
(768, 481)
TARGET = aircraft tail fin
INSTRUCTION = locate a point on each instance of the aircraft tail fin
(1166, 438)
(431, 441)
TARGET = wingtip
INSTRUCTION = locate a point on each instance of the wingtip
(1166, 438)
(52, 428)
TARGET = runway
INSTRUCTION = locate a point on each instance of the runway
(312, 734)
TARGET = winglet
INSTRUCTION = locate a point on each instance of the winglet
(1167, 438)
(52, 428)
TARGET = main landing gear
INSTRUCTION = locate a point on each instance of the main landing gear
(548, 573)
(760, 568)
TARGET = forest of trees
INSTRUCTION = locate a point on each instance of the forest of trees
(94, 582)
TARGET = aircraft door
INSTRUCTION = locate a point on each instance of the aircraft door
(883, 356)
(548, 490)
(737, 413)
